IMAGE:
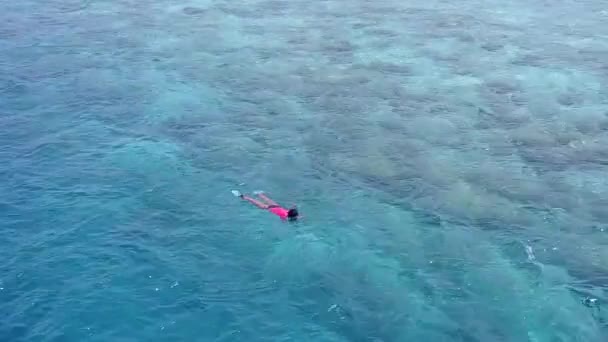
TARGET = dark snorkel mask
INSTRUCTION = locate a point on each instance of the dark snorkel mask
(292, 214)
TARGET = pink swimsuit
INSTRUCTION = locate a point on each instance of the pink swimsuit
(279, 211)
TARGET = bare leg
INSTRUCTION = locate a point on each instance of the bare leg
(267, 200)
(255, 202)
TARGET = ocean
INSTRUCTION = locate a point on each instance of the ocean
(450, 159)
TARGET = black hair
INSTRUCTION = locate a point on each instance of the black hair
(292, 214)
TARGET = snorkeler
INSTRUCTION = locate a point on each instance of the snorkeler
(270, 205)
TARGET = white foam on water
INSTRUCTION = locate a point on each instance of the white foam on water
(530, 253)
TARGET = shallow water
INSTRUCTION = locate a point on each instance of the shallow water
(450, 159)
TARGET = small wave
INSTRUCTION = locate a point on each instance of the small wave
(228, 292)
(73, 6)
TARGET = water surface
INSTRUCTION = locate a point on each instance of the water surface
(450, 159)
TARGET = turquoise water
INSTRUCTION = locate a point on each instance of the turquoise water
(450, 158)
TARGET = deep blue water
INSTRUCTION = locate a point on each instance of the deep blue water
(450, 158)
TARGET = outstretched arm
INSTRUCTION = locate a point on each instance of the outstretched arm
(255, 202)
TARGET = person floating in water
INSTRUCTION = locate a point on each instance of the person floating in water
(270, 205)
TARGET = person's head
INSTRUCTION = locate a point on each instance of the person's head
(292, 214)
